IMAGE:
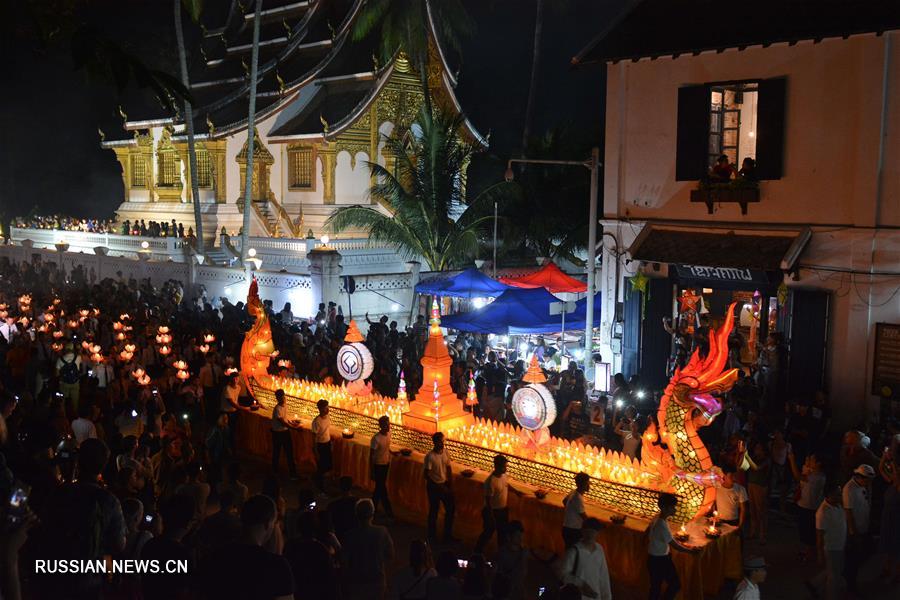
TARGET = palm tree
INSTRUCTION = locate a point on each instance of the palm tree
(539, 219)
(251, 124)
(423, 193)
(403, 24)
(193, 8)
(535, 64)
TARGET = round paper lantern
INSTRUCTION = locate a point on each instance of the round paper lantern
(354, 361)
(533, 407)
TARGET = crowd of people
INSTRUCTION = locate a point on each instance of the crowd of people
(108, 451)
(127, 227)
(65, 223)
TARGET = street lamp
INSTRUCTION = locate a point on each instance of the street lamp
(593, 164)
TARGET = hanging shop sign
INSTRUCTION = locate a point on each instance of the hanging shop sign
(724, 274)
(886, 367)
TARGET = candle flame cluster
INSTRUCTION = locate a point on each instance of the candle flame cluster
(573, 456)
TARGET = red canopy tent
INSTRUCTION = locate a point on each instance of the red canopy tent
(549, 277)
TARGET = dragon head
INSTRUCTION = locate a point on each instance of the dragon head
(703, 379)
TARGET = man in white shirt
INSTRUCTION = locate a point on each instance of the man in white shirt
(754, 574)
(281, 435)
(857, 500)
(495, 513)
(321, 430)
(379, 463)
(831, 538)
(438, 474)
(659, 558)
(731, 499)
(82, 427)
(584, 564)
(574, 513)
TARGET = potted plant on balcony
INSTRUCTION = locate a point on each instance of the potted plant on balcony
(740, 190)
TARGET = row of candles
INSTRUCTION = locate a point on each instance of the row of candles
(571, 456)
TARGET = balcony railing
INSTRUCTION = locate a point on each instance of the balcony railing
(739, 191)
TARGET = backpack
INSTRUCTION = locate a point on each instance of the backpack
(69, 373)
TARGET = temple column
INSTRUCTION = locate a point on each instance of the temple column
(329, 163)
(325, 274)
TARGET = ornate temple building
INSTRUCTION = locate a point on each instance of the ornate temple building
(323, 107)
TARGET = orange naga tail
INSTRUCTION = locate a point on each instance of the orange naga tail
(257, 346)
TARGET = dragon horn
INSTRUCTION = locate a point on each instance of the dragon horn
(718, 349)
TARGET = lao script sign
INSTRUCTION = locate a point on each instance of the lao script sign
(721, 273)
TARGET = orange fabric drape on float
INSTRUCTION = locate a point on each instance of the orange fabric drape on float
(625, 545)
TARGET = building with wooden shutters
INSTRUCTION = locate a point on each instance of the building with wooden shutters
(808, 242)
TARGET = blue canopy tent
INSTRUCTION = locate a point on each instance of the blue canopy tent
(521, 311)
(471, 283)
(515, 311)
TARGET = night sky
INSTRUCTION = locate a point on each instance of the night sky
(50, 154)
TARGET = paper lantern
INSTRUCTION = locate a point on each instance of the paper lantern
(230, 371)
(125, 355)
(163, 329)
(49, 317)
(84, 312)
(124, 316)
(165, 350)
(58, 334)
(120, 336)
(209, 338)
(95, 349)
(117, 326)
(203, 348)
(130, 347)
(144, 380)
(96, 358)
(533, 407)
(180, 365)
(138, 373)
(86, 345)
(182, 375)
(73, 324)
(354, 360)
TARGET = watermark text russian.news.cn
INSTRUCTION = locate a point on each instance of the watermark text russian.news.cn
(112, 566)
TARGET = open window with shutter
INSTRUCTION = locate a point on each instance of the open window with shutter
(693, 133)
(770, 134)
(738, 120)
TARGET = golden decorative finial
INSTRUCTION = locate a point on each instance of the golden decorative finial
(281, 85)
(122, 113)
(210, 126)
(102, 135)
(324, 123)
(402, 62)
